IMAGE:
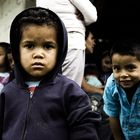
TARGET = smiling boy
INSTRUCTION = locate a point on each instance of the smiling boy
(122, 91)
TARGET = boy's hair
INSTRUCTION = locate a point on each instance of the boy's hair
(37, 17)
(6, 46)
(126, 47)
(87, 33)
(90, 29)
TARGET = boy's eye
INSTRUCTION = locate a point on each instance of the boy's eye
(130, 67)
(48, 46)
(116, 68)
(29, 46)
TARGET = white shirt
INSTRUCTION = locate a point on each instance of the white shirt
(66, 10)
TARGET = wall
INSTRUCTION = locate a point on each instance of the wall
(8, 10)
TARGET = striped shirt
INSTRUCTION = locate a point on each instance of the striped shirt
(32, 86)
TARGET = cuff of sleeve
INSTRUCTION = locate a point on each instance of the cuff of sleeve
(111, 112)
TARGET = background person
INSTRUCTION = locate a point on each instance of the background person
(5, 67)
(90, 44)
(76, 14)
(93, 82)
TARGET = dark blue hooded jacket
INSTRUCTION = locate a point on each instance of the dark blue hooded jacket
(58, 110)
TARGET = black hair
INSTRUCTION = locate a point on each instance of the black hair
(6, 46)
(38, 17)
(90, 29)
(91, 69)
(86, 34)
(126, 47)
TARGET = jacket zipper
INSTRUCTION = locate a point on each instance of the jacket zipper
(27, 117)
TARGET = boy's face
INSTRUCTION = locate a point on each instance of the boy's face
(126, 70)
(2, 59)
(38, 50)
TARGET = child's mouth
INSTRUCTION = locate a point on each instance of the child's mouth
(37, 65)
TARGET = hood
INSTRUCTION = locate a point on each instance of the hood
(39, 15)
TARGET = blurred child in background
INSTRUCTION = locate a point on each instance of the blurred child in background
(5, 67)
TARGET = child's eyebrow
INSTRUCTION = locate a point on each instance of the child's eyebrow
(27, 41)
(115, 65)
(50, 43)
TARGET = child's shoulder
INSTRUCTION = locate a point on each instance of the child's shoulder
(111, 83)
(68, 86)
(66, 80)
(111, 80)
(68, 83)
(10, 86)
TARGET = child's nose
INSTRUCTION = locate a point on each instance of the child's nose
(123, 74)
(38, 53)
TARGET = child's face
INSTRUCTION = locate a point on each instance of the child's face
(106, 64)
(2, 59)
(126, 70)
(38, 50)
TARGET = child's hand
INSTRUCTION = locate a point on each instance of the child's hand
(102, 87)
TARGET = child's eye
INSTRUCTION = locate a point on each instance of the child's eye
(130, 67)
(29, 46)
(48, 46)
(116, 68)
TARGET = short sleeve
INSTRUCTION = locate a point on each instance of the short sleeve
(111, 98)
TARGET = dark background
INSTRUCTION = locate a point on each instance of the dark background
(117, 19)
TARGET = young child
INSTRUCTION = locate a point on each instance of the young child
(41, 104)
(4, 64)
(122, 91)
(91, 75)
(104, 66)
